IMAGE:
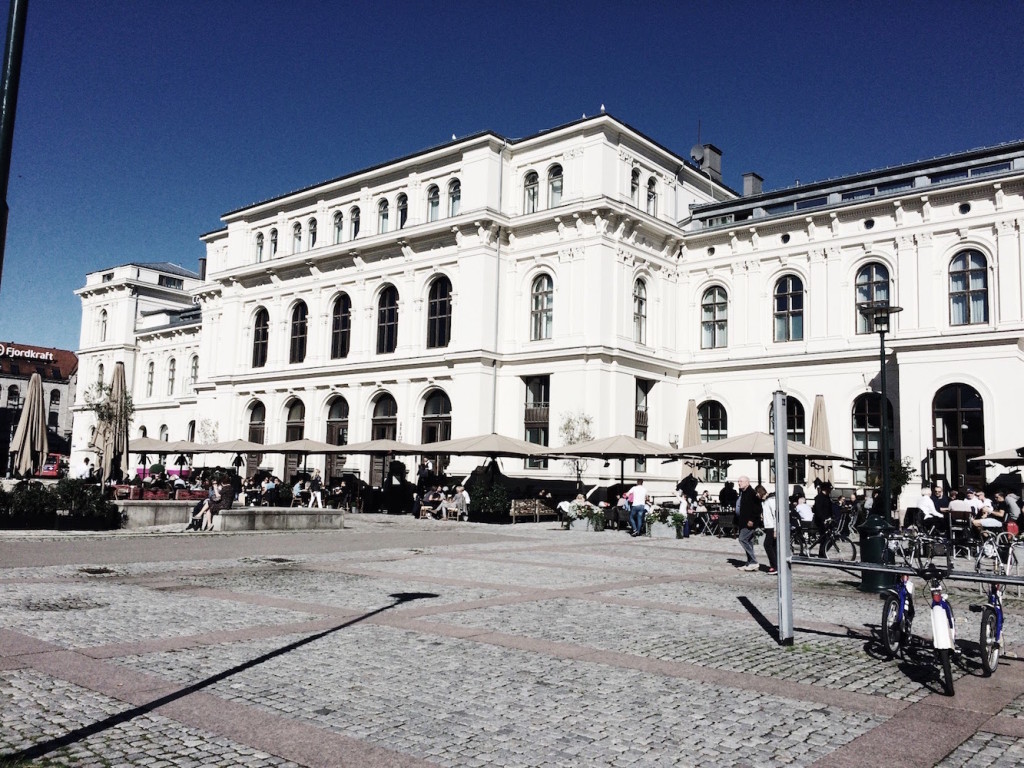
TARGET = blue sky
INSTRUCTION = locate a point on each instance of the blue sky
(140, 123)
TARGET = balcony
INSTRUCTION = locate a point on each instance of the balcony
(536, 413)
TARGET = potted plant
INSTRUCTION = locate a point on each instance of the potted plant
(680, 523)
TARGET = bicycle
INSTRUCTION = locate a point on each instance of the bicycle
(897, 617)
(838, 545)
(991, 635)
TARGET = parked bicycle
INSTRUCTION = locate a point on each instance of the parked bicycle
(806, 542)
(991, 635)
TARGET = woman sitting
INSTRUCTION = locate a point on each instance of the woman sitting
(220, 498)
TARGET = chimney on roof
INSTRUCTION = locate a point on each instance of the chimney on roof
(712, 164)
(202, 268)
(752, 184)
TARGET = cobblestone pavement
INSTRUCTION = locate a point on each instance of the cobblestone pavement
(397, 642)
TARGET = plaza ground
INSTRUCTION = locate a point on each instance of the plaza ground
(399, 642)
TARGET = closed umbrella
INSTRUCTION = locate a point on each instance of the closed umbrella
(30, 441)
(691, 434)
(112, 438)
(820, 469)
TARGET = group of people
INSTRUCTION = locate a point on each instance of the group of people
(986, 516)
(440, 504)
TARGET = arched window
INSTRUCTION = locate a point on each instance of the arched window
(257, 422)
(403, 210)
(454, 197)
(872, 290)
(387, 320)
(531, 192)
(150, 373)
(789, 309)
(193, 373)
(542, 307)
(259, 247)
(713, 423)
(297, 345)
(165, 434)
(172, 370)
(433, 203)
(640, 312)
(339, 227)
(384, 425)
(99, 374)
(867, 439)
(958, 434)
(652, 196)
(382, 217)
(53, 416)
(437, 423)
(13, 397)
(273, 243)
(311, 228)
(103, 325)
(634, 187)
(295, 426)
(337, 434)
(190, 432)
(142, 432)
(296, 237)
(795, 431)
(714, 318)
(341, 326)
(353, 223)
(439, 313)
(555, 186)
(260, 338)
(968, 289)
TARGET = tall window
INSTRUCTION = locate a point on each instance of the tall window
(257, 433)
(99, 374)
(296, 238)
(958, 424)
(311, 228)
(652, 197)
(867, 438)
(339, 227)
(193, 374)
(297, 345)
(273, 243)
(437, 418)
(536, 415)
(172, 373)
(641, 418)
(384, 425)
(634, 187)
(531, 192)
(165, 433)
(542, 306)
(150, 373)
(789, 309)
(714, 318)
(387, 320)
(872, 290)
(353, 223)
(640, 312)
(454, 197)
(53, 416)
(341, 326)
(433, 203)
(795, 431)
(403, 211)
(103, 325)
(713, 423)
(968, 289)
(259, 247)
(337, 434)
(294, 429)
(13, 397)
(555, 186)
(383, 213)
(260, 338)
(439, 313)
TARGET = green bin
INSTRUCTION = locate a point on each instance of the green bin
(873, 550)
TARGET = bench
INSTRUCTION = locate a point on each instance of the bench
(532, 509)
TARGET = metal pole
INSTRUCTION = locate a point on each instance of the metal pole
(782, 520)
(8, 106)
(883, 404)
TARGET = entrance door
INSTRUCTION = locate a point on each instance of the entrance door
(958, 431)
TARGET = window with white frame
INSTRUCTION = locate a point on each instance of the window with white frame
(311, 236)
(353, 223)
(454, 197)
(193, 375)
(634, 187)
(652, 196)
(555, 186)
(714, 318)
(297, 343)
(260, 338)
(968, 288)
(339, 227)
(296, 237)
(640, 312)
(387, 320)
(383, 213)
(789, 309)
(433, 203)
(259, 247)
(172, 371)
(273, 243)
(531, 192)
(150, 374)
(542, 304)
(103, 325)
(872, 290)
(341, 326)
(403, 210)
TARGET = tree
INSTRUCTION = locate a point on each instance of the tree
(573, 429)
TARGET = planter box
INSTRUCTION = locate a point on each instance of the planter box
(662, 531)
(185, 495)
(157, 495)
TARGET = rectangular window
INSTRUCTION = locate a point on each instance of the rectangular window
(108, 276)
(536, 415)
(171, 282)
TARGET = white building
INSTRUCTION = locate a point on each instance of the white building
(501, 285)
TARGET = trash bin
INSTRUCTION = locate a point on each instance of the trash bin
(873, 550)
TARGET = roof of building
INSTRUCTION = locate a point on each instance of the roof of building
(157, 266)
(25, 359)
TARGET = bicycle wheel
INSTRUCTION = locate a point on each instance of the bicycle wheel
(841, 550)
(891, 626)
(947, 671)
(987, 641)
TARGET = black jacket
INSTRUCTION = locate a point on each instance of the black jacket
(750, 508)
(822, 508)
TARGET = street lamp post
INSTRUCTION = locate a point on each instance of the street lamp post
(879, 313)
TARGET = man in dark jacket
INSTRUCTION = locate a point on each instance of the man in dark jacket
(748, 518)
(822, 514)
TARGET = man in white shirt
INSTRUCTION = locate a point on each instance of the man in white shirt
(82, 471)
(638, 507)
(931, 518)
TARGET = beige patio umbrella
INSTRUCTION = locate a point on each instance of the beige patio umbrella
(619, 447)
(112, 438)
(147, 445)
(380, 446)
(492, 445)
(30, 441)
(1011, 457)
(691, 434)
(754, 445)
(820, 469)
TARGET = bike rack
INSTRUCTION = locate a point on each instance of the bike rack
(899, 570)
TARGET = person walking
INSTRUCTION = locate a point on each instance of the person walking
(768, 514)
(638, 507)
(748, 517)
(316, 487)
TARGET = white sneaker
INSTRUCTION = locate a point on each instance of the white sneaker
(751, 567)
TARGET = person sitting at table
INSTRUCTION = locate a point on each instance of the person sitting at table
(805, 512)
(431, 504)
(989, 521)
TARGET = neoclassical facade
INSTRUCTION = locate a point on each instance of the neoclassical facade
(490, 284)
